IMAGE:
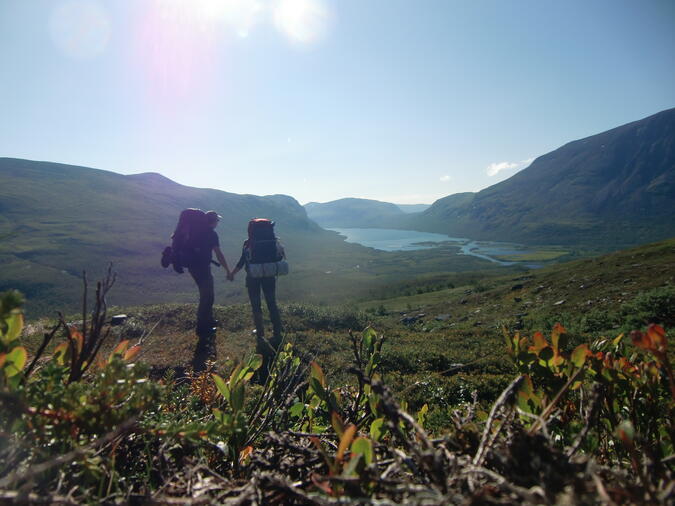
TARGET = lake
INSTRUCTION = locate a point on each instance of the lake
(386, 239)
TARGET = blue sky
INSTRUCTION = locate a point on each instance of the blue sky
(403, 101)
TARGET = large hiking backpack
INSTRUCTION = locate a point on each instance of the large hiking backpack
(265, 258)
(192, 224)
(262, 243)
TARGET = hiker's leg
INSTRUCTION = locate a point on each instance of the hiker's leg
(206, 348)
(269, 289)
(204, 280)
(201, 277)
(261, 345)
(253, 286)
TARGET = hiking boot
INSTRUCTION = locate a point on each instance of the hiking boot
(207, 332)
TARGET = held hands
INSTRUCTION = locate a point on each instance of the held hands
(230, 276)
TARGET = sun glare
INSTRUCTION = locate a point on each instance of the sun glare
(302, 21)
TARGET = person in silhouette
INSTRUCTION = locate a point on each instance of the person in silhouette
(204, 245)
(262, 246)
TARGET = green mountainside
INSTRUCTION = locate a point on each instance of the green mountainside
(615, 188)
(57, 220)
(354, 213)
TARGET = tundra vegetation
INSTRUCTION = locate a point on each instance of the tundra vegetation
(387, 401)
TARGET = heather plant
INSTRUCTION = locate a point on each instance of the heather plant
(612, 399)
(114, 434)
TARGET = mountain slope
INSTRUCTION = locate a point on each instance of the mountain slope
(354, 213)
(57, 220)
(617, 187)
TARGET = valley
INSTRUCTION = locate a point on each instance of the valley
(321, 253)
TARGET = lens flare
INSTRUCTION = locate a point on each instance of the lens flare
(302, 21)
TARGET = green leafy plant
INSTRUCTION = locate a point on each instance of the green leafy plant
(13, 356)
(610, 397)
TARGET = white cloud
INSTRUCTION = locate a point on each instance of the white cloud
(445, 178)
(496, 167)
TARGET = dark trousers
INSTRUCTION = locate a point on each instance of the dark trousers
(204, 279)
(268, 286)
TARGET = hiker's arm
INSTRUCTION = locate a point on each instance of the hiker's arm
(221, 259)
(240, 264)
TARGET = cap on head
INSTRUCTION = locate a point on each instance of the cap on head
(212, 217)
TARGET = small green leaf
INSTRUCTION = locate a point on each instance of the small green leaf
(580, 354)
(376, 429)
(315, 401)
(237, 398)
(373, 401)
(351, 469)
(15, 361)
(14, 327)
(221, 386)
(422, 415)
(369, 338)
(297, 409)
(363, 446)
(255, 362)
(245, 374)
(234, 375)
(62, 353)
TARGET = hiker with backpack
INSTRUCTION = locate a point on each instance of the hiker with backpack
(263, 257)
(193, 243)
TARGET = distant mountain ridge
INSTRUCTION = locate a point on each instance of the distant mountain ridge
(610, 190)
(617, 186)
(354, 213)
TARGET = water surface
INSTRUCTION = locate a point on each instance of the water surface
(387, 239)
